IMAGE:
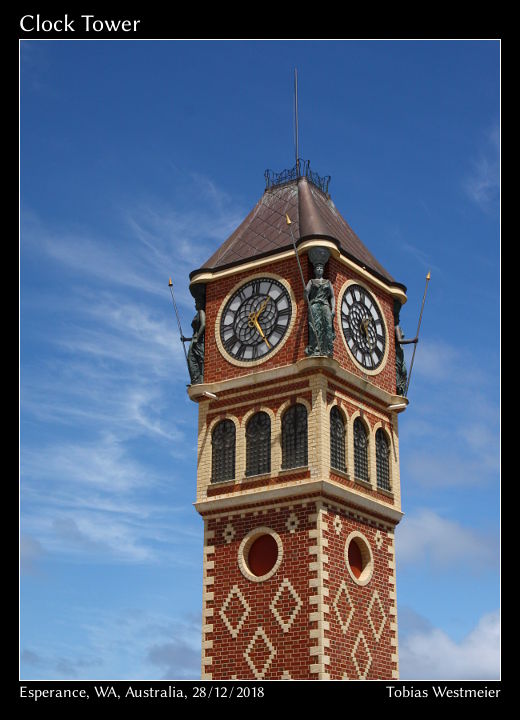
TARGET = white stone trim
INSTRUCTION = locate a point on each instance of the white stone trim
(366, 554)
(243, 550)
(206, 276)
(292, 489)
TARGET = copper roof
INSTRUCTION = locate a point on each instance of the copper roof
(313, 214)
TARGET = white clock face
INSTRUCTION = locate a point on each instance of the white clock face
(363, 327)
(255, 319)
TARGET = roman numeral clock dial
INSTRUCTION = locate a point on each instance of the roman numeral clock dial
(363, 327)
(255, 320)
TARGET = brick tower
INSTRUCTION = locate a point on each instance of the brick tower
(298, 455)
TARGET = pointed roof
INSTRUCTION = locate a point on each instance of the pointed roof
(313, 215)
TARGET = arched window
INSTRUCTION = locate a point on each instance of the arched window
(258, 444)
(294, 437)
(382, 460)
(337, 440)
(223, 451)
(360, 451)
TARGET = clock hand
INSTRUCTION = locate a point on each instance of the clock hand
(262, 308)
(364, 325)
(252, 319)
(257, 324)
(253, 316)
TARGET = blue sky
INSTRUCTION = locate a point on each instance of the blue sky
(138, 159)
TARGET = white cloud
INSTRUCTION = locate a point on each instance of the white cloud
(430, 654)
(452, 467)
(31, 551)
(452, 433)
(436, 360)
(120, 644)
(427, 537)
(482, 184)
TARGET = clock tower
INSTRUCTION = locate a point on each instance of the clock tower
(298, 455)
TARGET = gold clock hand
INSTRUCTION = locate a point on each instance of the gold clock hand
(364, 325)
(253, 316)
(261, 332)
(252, 319)
(262, 308)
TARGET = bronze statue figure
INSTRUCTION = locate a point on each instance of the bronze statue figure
(322, 308)
(401, 375)
(196, 350)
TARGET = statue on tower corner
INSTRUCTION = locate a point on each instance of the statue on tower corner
(401, 375)
(321, 305)
(196, 350)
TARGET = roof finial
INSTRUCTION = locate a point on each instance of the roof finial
(296, 122)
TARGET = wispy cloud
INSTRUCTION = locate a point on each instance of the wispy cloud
(430, 654)
(426, 537)
(453, 431)
(105, 420)
(142, 645)
(31, 552)
(482, 184)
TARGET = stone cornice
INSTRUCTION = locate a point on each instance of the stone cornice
(204, 391)
(321, 488)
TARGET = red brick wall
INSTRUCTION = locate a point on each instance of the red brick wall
(361, 641)
(291, 647)
(374, 650)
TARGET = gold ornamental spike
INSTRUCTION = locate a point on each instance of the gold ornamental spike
(288, 219)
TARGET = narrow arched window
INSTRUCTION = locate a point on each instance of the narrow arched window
(360, 451)
(294, 437)
(258, 444)
(337, 440)
(223, 451)
(382, 460)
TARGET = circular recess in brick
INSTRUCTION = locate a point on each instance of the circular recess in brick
(260, 554)
(358, 558)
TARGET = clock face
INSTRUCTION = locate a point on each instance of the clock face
(255, 319)
(363, 327)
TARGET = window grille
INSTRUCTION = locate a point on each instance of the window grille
(382, 460)
(223, 451)
(337, 440)
(360, 451)
(258, 444)
(294, 437)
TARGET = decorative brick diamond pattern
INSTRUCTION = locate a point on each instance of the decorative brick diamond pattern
(362, 619)
(254, 652)
(234, 593)
(361, 656)
(294, 604)
(343, 607)
(229, 533)
(376, 615)
(292, 523)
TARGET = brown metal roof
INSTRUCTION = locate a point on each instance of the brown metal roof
(313, 214)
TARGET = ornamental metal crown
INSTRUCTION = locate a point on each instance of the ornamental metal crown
(301, 169)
